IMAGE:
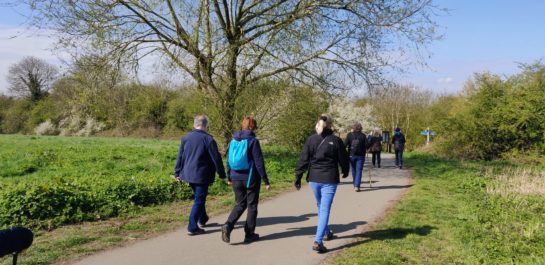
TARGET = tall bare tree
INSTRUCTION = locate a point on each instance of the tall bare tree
(31, 77)
(227, 46)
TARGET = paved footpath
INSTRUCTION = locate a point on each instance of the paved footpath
(286, 225)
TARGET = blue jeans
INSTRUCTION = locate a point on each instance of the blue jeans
(323, 193)
(399, 157)
(357, 169)
(198, 211)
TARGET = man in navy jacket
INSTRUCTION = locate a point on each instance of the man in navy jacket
(197, 163)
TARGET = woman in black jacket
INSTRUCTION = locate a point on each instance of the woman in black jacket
(356, 142)
(321, 156)
(375, 147)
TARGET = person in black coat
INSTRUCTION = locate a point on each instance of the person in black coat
(322, 155)
(356, 142)
(246, 184)
(197, 163)
(375, 147)
(398, 140)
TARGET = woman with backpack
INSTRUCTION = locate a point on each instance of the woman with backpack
(375, 147)
(356, 142)
(321, 156)
(246, 170)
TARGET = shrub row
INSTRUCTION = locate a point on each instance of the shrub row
(63, 201)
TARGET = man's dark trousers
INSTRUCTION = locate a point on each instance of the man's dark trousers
(399, 157)
(246, 198)
(198, 212)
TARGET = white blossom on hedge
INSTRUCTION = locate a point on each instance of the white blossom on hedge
(345, 113)
(46, 128)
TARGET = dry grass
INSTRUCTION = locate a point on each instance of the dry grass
(518, 181)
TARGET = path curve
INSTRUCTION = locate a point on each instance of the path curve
(286, 224)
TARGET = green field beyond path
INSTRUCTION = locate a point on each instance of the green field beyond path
(49, 181)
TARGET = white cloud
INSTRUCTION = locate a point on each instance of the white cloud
(445, 80)
(18, 42)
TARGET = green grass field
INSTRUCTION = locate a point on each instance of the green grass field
(81, 195)
(50, 181)
(459, 213)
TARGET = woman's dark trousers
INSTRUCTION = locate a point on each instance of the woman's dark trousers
(376, 158)
(246, 198)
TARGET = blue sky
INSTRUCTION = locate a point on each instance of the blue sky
(479, 35)
(482, 35)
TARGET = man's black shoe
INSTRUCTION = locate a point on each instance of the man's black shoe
(196, 232)
(203, 222)
(226, 233)
(251, 238)
(320, 248)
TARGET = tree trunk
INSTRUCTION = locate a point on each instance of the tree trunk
(229, 104)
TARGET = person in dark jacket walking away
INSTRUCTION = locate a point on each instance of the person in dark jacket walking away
(375, 147)
(197, 163)
(322, 155)
(399, 146)
(356, 142)
(246, 183)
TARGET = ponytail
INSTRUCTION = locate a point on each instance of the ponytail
(323, 122)
(320, 126)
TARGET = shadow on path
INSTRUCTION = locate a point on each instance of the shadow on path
(362, 182)
(387, 187)
(264, 221)
(386, 234)
(311, 230)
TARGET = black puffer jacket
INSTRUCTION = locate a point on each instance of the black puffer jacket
(375, 144)
(323, 163)
(356, 142)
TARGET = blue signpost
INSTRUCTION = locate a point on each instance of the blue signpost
(428, 133)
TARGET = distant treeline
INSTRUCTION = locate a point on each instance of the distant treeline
(97, 99)
(493, 117)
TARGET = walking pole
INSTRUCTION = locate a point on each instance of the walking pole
(370, 182)
(370, 185)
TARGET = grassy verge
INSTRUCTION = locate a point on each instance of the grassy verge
(457, 213)
(71, 242)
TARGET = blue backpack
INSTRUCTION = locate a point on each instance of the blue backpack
(238, 157)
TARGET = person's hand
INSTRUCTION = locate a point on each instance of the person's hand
(268, 187)
(229, 183)
(345, 175)
(177, 178)
(297, 184)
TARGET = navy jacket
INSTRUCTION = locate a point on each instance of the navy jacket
(398, 141)
(254, 154)
(198, 158)
(323, 163)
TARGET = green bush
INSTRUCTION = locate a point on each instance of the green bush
(496, 117)
(298, 120)
(16, 116)
(54, 202)
(46, 109)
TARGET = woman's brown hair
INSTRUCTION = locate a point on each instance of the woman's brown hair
(249, 123)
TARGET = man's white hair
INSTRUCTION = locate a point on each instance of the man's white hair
(200, 121)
